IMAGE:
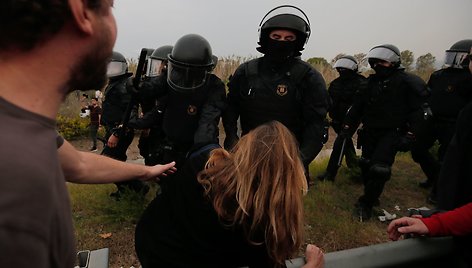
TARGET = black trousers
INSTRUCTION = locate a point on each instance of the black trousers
(119, 153)
(379, 147)
(93, 134)
(335, 157)
(430, 132)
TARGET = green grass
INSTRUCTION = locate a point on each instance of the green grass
(328, 211)
(329, 205)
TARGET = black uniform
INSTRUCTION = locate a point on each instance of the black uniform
(342, 91)
(189, 120)
(117, 98)
(292, 93)
(151, 123)
(451, 90)
(388, 107)
(455, 179)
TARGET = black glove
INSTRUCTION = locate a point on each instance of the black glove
(405, 142)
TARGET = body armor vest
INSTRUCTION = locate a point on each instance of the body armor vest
(277, 97)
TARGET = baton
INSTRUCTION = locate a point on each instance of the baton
(341, 153)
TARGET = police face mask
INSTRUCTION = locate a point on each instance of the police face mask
(280, 50)
(383, 71)
(343, 72)
(380, 70)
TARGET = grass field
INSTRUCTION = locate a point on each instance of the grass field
(103, 222)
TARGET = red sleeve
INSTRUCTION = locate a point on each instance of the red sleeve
(456, 222)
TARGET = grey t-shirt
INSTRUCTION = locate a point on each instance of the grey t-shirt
(35, 218)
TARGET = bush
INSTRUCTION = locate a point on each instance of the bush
(72, 128)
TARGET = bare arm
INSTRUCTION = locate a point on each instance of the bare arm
(85, 167)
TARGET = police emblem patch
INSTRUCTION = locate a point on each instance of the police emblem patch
(282, 90)
(192, 110)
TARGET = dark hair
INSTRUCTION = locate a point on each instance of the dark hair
(26, 23)
(95, 98)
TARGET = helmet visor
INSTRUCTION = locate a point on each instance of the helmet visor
(455, 59)
(383, 54)
(345, 63)
(116, 68)
(185, 78)
(155, 67)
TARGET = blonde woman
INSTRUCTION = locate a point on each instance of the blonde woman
(231, 209)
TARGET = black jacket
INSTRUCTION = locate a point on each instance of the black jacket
(188, 118)
(342, 91)
(451, 90)
(117, 98)
(182, 219)
(390, 102)
(278, 92)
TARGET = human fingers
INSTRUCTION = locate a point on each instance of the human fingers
(314, 257)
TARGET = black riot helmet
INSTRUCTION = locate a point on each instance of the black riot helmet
(190, 63)
(158, 60)
(117, 66)
(346, 62)
(456, 56)
(285, 17)
(385, 52)
(215, 61)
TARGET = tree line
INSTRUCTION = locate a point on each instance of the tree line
(422, 66)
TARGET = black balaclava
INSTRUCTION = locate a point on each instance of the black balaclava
(380, 70)
(279, 51)
(345, 73)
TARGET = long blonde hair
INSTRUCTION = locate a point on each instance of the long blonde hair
(259, 186)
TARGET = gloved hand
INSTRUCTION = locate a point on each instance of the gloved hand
(405, 142)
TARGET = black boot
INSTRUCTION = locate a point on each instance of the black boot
(362, 212)
(325, 176)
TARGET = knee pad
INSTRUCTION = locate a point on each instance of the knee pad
(380, 171)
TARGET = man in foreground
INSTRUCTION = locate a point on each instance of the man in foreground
(62, 46)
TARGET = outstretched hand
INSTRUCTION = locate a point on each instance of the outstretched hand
(406, 225)
(314, 257)
(157, 171)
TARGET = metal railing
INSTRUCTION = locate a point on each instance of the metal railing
(417, 252)
(408, 253)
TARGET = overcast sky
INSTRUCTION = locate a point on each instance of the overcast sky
(338, 26)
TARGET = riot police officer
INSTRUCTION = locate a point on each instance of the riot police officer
(390, 109)
(455, 183)
(151, 123)
(279, 86)
(451, 90)
(342, 91)
(190, 99)
(117, 98)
